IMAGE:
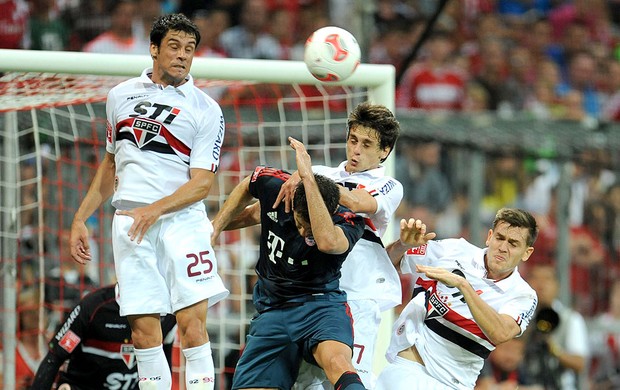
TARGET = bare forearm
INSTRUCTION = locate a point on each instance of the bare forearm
(194, 190)
(234, 205)
(396, 250)
(328, 237)
(249, 216)
(499, 328)
(101, 188)
(358, 201)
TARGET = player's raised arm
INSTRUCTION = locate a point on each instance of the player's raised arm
(235, 204)
(412, 234)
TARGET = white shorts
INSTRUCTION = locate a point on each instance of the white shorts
(172, 268)
(366, 320)
(405, 374)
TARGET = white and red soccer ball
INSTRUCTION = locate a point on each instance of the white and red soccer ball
(332, 54)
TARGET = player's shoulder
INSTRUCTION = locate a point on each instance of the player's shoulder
(267, 172)
(99, 297)
(447, 247)
(131, 85)
(203, 100)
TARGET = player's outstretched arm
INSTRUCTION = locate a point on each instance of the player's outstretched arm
(328, 237)
(101, 188)
(239, 198)
(499, 328)
(412, 234)
(47, 371)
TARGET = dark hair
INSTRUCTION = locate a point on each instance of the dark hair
(518, 218)
(330, 192)
(379, 118)
(173, 22)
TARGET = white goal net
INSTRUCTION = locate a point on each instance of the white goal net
(52, 129)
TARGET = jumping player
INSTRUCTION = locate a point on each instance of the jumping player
(163, 147)
(368, 277)
(466, 301)
(302, 313)
(96, 341)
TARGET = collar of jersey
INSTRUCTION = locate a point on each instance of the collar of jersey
(380, 170)
(185, 87)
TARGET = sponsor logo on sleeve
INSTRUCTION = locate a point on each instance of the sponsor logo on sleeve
(418, 251)
(69, 341)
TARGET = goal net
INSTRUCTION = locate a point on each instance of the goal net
(52, 137)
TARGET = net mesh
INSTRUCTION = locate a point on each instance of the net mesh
(54, 126)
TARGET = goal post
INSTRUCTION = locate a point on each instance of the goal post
(52, 127)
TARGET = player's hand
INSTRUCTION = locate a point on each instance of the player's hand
(304, 162)
(413, 232)
(441, 275)
(143, 219)
(78, 242)
(287, 191)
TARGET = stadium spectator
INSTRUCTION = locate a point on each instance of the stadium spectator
(501, 369)
(48, 31)
(581, 77)
(119, 38)
(611, 105)
(29, 346)
(493, 74)
(604, 338)
(95, 342)
(14, 16)
(466, 301)
(145, 13)
(299, 270)
(428, 188)
(557, 355)
(154, 216)
(613, 198)
(87, 20)
(250, 38)
(434, 83)
(211, 23)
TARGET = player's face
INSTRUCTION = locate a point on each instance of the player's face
(507, 247)
(173, 58)
(363, 150)
(303, 227)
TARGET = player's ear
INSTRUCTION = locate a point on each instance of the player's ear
(154, 49)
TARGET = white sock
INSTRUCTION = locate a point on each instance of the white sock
(199, 369)
(153, 370)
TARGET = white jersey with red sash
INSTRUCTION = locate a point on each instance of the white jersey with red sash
(157, 135)
(439, 322)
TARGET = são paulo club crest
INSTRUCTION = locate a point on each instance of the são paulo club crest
(128, 355)
(144, 130)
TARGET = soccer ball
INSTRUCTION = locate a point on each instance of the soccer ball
(331, 54)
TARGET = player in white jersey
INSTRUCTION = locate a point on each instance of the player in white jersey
(466, 301)
(163, 143)
(368, 276)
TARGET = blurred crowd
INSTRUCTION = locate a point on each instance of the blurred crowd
(552, 58)
(548, 59)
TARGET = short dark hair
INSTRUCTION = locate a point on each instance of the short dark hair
(173, 22)
(330, 192)
(518, 218)
(379, 118)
